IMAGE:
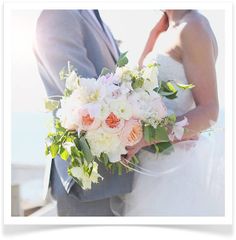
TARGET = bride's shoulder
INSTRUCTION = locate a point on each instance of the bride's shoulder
(196, 22)
(196, 27)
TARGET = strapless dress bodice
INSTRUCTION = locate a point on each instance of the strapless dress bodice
(170, 69)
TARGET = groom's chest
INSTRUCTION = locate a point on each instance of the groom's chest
(97, 48)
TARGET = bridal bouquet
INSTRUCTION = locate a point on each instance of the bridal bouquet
(98, 118)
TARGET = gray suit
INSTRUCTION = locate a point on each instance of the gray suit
(72, 35)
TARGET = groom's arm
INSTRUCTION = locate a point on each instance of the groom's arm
(59, 39)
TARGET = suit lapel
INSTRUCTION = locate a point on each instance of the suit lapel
(100, 32)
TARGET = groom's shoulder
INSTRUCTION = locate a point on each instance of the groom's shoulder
(57, 18)
(56, 13)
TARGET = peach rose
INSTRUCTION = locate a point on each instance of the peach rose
(86, 121)
(113, 124)
(132, 132)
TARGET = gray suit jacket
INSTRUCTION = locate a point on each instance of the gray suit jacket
(73, 35)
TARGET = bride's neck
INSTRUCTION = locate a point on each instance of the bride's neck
(175, 16)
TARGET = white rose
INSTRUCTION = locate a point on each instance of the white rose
(138, 106)
(115, 156)
(140, 102)
(150, 75)
(123, 74)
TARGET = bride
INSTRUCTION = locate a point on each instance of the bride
(188, 181)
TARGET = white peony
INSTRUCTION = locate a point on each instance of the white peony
(108, 79)
(121, 108)
(101, 141)
(68, 113)
(117, 91)
(104, 111)
(90, 90)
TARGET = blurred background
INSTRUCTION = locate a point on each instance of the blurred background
(29, 121)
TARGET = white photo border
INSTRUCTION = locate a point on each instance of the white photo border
(119, 5)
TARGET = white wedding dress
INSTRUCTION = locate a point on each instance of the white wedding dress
(190, 180)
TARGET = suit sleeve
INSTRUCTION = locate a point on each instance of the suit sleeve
(59, 39)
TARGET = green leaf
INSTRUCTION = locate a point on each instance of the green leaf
(184, 86)
(167, 90)
(62, 74)
(164, 147)
(172, 96)
(51, 105)
(171, 87)
(154, 64)
(147, 133)
(64, 154)
(165, 94)
(105, 71)
(76, 153)
(65, 71)
(58, 126)
(156, 148)
(54, 150)
(172, 118)
(137, 83)
(156, 89)
(119, 166)
(75, 161)
(135, 159)
(67, 92)
(155, 134)
(123, 60)
(78, 181)
(85, 149)
(161, 134)
(169, 95)
(104, 158)
(47, 151)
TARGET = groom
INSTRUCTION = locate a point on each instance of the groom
(81, 37)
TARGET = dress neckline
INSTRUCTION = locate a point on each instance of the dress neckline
(169, 57)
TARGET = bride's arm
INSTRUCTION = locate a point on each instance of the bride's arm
(160, 27)
(198, 57)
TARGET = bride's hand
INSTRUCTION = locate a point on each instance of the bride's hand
(134, 149)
